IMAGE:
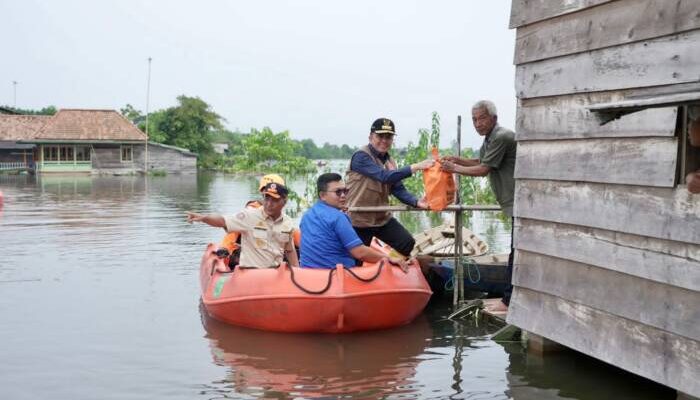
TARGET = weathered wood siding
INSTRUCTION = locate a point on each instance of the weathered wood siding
(607, 242)
(106, 158)
(657, 354)
(170, 160)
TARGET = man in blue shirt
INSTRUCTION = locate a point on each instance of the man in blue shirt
(372, 177)
(327, 236)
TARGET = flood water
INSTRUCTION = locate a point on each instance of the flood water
(99, 299)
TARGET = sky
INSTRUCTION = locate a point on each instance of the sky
(320, 69)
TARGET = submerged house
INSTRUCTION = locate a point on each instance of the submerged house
(607, 235)
(14, 128)
(89, 141)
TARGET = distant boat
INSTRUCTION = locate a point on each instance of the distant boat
(440, 242)
(321, 163)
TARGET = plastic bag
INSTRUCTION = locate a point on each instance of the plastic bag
(439, 185)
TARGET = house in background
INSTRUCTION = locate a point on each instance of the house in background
(88, 141)
(14, 128)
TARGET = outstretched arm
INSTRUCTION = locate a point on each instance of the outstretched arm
(214, 220)
(362, 163)
(366, 253)
(476, 170)
(466, 162)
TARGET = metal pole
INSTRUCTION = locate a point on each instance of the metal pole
(458, 293)
(14, 87)
(148, 99)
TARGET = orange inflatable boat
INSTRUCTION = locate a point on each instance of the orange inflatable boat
(286, 299)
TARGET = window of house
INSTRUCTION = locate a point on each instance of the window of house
(689, 149)
(82, 153)
(66, 154)
(51, 153)
(127, 154)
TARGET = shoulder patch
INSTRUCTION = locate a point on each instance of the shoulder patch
(240, 215)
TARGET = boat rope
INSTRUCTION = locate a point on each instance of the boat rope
(367, 280)
(470, 263)
(308, 291)
(450, 283)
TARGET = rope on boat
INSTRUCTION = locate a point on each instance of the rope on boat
(307, 291)
(330, 279)
(470, 263)
(367, 280)
(450, 283)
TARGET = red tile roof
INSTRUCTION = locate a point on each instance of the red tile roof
(21, 127)
(74, 124)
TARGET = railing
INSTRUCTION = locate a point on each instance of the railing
(458, 300)
(8, 166)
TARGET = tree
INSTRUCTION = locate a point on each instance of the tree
(50, 110)
(189, 125)
(273, 152)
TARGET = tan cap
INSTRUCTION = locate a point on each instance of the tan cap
(270, 178)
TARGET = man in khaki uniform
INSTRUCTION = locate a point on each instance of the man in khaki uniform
(266, 233)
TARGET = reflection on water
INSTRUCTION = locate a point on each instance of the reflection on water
(277, 365)
(99, 285)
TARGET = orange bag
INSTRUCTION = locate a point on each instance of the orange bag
(439, 185)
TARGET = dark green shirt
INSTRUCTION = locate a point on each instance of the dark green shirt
(498, 152)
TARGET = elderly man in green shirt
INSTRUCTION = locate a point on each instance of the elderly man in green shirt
(497, 160)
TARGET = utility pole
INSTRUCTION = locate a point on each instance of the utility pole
(148, 99)
(14, 85)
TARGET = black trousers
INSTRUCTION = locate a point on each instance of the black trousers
(509, 269)
(391, 233)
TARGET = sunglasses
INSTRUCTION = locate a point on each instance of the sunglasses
(339, 192)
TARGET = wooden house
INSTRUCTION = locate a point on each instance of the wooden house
(607, 236)
(88, 141)
(14, 128)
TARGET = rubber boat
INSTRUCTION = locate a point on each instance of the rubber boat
(337, 300)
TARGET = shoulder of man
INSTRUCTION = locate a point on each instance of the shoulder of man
(503, 134)
(247, 214)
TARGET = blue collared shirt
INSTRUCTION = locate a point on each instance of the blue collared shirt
(363, 164)
(327, 237)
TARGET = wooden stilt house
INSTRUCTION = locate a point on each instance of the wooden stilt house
(607, 235)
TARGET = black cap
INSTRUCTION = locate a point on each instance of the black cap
(383, 125)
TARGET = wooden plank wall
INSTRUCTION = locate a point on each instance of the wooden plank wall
(607, 242)
(170, 160)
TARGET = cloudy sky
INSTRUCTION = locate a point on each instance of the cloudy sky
(321, 69)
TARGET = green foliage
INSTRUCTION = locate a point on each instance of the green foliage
(419, 152)
(50, 110)
(190, 125)
(309, 149)
(194, 126)
(267, 151)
